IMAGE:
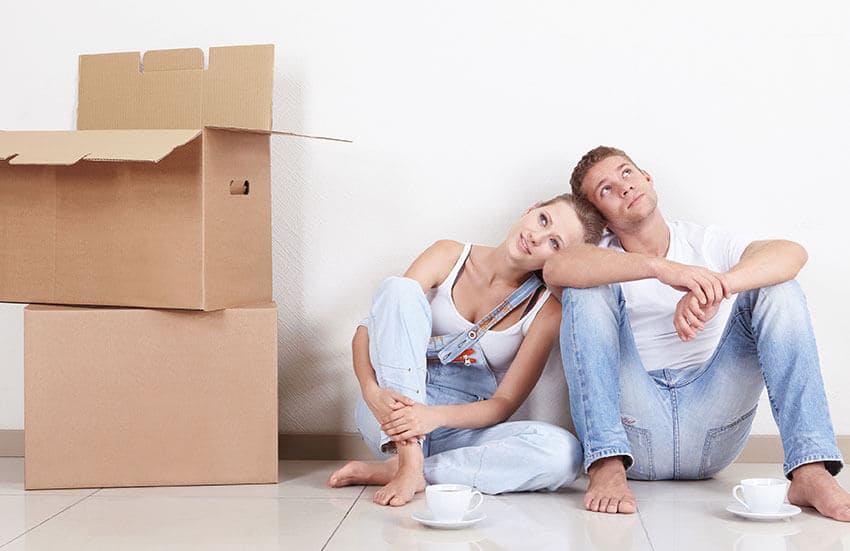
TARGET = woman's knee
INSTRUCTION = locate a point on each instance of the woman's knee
(399, 288)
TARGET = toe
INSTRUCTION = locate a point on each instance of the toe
(602, 506)
(627, 506)
(612, 506)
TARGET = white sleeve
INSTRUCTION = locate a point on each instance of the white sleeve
(722, 248)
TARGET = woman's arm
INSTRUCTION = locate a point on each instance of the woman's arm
(429, 269)
(419, 419)
(381, 401)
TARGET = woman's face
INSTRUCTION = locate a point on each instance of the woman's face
(543, 231)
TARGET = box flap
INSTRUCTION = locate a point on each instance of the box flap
(171, 89)
(69, 147)
(280, 133)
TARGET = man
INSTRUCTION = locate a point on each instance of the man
(653, 310)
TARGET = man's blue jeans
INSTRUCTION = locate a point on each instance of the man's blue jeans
(690, 423)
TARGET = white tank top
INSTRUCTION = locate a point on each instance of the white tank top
(499, 346)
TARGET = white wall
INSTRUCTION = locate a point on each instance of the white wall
(462, 114)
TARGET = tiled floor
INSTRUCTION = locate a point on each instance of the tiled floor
(301, 513)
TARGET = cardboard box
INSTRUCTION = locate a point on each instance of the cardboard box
(135, 397)
(162, 196)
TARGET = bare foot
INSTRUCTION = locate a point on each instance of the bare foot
(813, 486)
(608, 491)
(360, 472)
(408, 480)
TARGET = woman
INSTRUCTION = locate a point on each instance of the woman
(439, 374)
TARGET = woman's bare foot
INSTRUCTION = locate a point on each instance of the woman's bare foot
(361, 472)
(813, 486)
(408, 480)
(608, 491)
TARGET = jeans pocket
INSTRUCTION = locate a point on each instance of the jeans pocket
(724, 444)
(640, 443)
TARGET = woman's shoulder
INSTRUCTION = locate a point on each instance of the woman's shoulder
(447, 247)
(435, 263)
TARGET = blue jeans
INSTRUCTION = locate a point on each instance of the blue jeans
(508, 457)
(690, 423)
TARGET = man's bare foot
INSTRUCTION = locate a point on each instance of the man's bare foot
(608, 491)
(361, 472)
(813, 486)
(408, 480)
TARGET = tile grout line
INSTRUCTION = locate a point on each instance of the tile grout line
(345, 516)
(51, 517)
(645, 531)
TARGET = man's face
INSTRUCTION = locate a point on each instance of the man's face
(623, 193)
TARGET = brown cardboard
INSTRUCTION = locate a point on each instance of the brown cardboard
(171, 89)
(168, 234)
(141, 205)
(134, 397)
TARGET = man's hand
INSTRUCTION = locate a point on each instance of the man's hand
(707, 286)
(411, 422)
(383, 402)
(691, 316)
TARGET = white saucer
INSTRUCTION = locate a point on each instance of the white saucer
(426, 518)
(787, 510)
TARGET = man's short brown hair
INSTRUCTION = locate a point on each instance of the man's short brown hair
(588, 161)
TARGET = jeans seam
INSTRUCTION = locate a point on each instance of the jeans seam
(713, 433)
(674, 414)
(577, 366)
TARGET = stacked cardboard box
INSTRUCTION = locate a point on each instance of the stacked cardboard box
(158, 205)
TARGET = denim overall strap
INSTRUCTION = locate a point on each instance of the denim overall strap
(463, 341)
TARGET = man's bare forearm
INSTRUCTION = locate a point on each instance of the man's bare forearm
(766, 263)
(582, 266)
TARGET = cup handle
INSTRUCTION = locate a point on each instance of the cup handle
(476, 494)
(736, 496)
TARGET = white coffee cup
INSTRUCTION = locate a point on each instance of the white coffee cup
(761, 495)
(451, 502)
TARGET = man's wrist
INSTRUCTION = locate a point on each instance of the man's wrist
(656, 265)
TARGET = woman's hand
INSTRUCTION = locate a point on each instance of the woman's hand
(412, 421)
(383, 402)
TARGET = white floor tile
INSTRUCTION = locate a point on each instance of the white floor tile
(692, 515)
(519, 521)
(301, 512)
(171, 523)
(296, 480)
(19, 513)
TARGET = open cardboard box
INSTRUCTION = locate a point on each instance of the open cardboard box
(138, 397)
(162, 196)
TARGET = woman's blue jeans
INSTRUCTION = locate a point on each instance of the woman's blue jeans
(508, 457)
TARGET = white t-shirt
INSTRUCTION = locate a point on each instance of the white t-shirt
(651, 305)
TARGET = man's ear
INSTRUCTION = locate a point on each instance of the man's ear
(647, 176)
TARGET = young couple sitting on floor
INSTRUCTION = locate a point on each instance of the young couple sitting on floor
(669, 332)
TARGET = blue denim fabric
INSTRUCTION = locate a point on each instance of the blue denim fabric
(508, 457)
(690, 423)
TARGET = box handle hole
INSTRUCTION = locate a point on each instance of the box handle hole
(239, 188)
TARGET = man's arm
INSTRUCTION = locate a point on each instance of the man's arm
(762, 263)
(581, 266)
(766, 263)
